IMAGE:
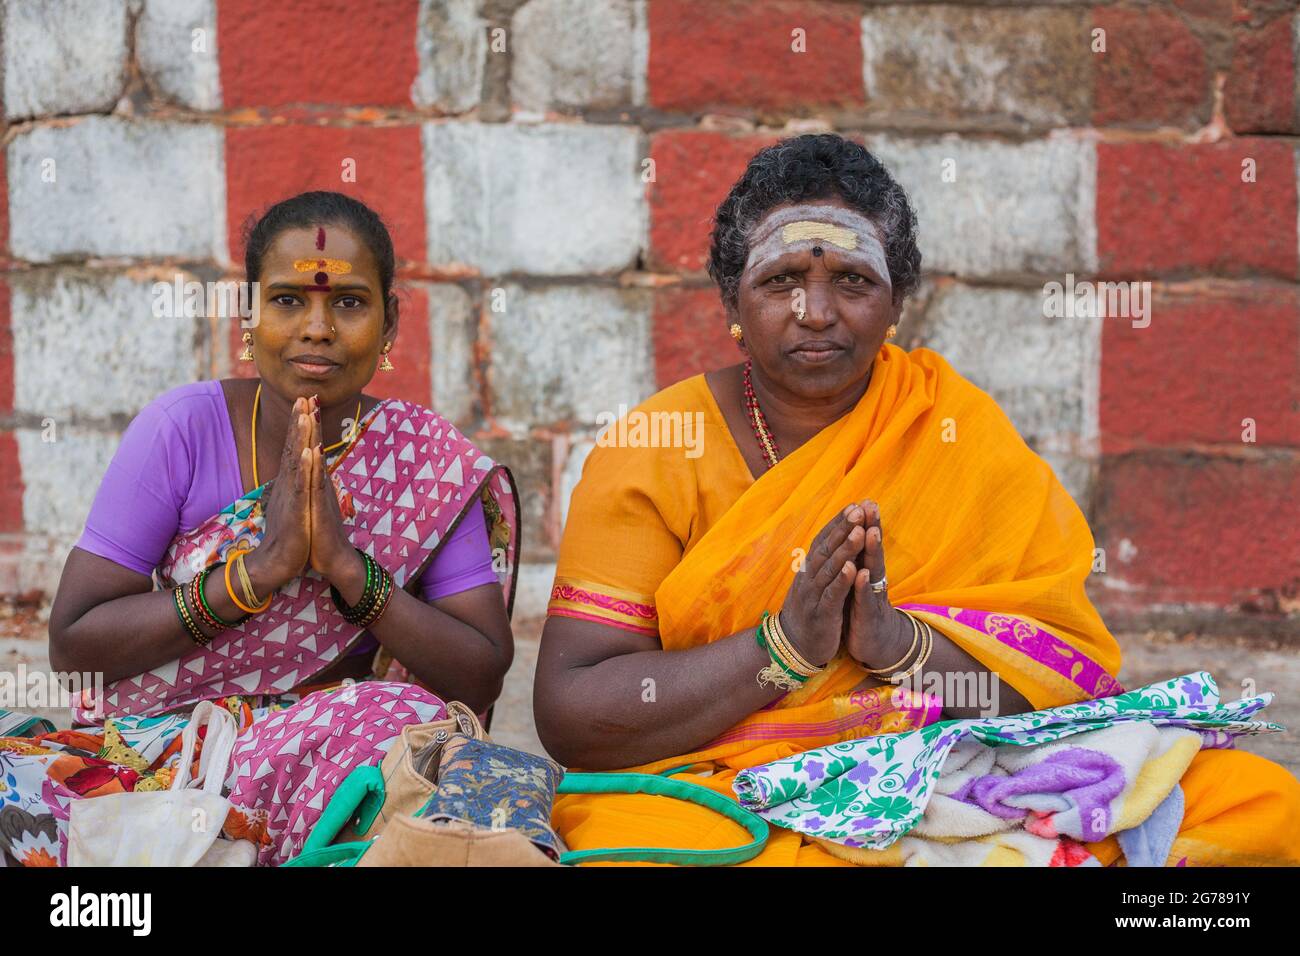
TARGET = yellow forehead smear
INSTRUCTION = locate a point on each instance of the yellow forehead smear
(338, 267)
(836, 235)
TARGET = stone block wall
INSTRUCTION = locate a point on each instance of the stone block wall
(549, 168)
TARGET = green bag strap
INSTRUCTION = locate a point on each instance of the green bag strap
(336, 854)
(358, 800)
(664, 787)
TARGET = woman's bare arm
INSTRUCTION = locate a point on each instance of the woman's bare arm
(606, 698)
(108, 619)
(460, 646)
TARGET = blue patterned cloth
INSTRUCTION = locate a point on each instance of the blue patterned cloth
(497, 787)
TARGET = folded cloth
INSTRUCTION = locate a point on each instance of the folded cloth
(1012, 848)
(1149, 843)
(1054, 797)
(1074, 773)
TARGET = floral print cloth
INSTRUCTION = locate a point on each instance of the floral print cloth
(290, 756)
(870, 792)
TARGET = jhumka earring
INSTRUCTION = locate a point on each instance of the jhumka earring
(737, 332)
(891, 332)
(247, 354)
(384, 364)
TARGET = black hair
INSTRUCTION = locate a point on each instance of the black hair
(803, 168)
(321, 209)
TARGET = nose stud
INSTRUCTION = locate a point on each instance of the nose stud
(799, 315)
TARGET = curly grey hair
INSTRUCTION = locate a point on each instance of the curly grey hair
(803, 168)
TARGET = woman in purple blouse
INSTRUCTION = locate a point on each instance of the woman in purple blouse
(284, 542)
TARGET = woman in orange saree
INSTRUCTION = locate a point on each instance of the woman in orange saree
(829, 450)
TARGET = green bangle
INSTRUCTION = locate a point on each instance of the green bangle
(370, 593)
(203, 599)
(369, 606)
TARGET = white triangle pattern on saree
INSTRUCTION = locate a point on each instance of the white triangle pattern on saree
(271, 655)
(295, 776)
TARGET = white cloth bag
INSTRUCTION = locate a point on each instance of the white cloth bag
(175, 827)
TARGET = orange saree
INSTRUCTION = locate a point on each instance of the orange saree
(980, 539)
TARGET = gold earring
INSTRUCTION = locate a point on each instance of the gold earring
(737, 332)
(384, 364)
(893, 330)
(247, 354)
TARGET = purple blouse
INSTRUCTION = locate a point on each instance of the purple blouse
(177, 466)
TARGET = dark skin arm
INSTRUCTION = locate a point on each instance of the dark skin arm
(590, 693)
(590, 696)
(107, 618)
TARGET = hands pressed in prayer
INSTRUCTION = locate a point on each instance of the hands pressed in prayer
(304, 524)
(287, 543)
(873, 625)
(831, 600)
(332, 554)
(813, 613)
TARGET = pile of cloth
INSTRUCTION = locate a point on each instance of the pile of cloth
(1028, 789)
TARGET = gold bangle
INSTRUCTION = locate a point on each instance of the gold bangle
(798, 658)
(886, 671)
(927, 645)
(230, 590)
(782, 657)
(247, 583)
(784, 650)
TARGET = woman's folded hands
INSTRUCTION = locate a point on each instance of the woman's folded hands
(831, 603)
(304, 525)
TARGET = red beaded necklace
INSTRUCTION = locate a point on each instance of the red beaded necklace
(766, 443)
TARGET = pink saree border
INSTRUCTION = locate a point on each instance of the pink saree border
(570, 600)
(1039, 645)
(916, 710)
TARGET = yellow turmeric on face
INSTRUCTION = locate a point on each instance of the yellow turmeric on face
(338, 267)
(836, 235)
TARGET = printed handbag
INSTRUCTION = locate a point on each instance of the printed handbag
(409, 768)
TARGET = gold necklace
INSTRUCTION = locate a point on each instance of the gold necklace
(257, 397)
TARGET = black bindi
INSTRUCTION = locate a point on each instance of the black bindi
(817, 250)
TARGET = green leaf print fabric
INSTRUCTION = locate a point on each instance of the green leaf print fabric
(871, 791)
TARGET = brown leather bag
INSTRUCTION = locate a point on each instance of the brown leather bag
(410, 773)
(410, 767)
(411, 841)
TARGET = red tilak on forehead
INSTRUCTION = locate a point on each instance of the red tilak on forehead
(320, 238)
